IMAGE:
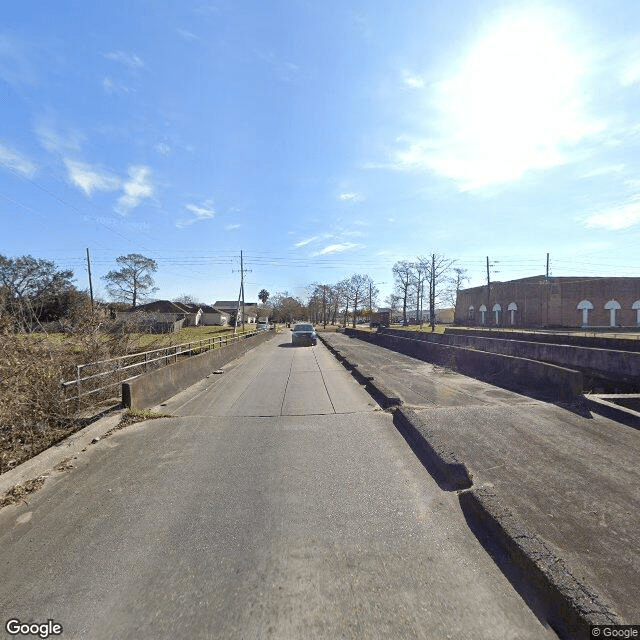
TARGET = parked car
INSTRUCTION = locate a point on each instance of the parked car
(304, 334)
(262, 326)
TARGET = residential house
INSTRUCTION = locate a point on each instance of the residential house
(211, 316)
(249, 311)
(165, 311)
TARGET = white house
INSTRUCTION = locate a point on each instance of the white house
(214, 317)
(231, 306)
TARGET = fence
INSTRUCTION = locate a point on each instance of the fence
(95, 378)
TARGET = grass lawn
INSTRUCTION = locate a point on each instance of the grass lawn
(439, 328)
(187, 334)
(190, 334)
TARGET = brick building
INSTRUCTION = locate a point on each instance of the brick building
(552, 302)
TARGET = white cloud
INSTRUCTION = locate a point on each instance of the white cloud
(350, 197)
(232, 227)
(163, 149)
(603, 171)
(14, 161)
(335, 248)
(56, 142)
(111, 86)
(629, 73)
(200, 212)
(514, 105)
(136, 188)
(128, 59)
(187, 35)
(304, 243)
(412, 81)
(90, 179)
(615, 218)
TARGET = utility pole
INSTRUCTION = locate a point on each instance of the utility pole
(324, 306)
(547, 282)
(432, 294)
(90, 283)
(488, 284)
(240, 295)
(547, 266)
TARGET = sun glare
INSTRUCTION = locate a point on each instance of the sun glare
(515, 104)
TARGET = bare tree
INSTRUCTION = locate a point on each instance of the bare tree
(456, 282)
(343, 289)
(437, 268)
(359, 287)
(185, 298)
(392, 301)
(403, 277)
(133, 281)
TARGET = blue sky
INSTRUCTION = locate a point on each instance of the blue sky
(321, 138)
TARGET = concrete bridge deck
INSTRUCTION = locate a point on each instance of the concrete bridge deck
(569, 478)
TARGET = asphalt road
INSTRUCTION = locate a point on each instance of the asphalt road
(279, 502)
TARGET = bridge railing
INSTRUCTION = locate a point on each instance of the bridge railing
(95, 379)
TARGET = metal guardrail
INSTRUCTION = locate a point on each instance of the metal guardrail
(122, 368)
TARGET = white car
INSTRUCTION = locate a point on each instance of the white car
(263, 326)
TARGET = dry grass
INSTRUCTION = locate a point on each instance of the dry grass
(34, 413)
(131, 416)
(19, 492)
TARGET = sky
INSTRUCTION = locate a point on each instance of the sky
(321, 138)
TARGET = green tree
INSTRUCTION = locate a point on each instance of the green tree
(132, 282)
(34, 290)
(264, 296)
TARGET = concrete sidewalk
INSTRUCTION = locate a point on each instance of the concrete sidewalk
(552, 491)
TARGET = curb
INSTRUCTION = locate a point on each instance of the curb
(380, 392)
(43, 464)
(544, 580)
(568, 605)
(447, 470)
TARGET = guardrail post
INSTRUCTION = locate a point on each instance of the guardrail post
(78, 367)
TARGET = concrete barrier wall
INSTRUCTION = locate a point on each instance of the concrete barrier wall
(531, 377)
(593, 342)
(609, 364)
(149, 389)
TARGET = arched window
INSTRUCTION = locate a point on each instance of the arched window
(497, 309)
(482, 311)
(471, 312)
(612, 306)
(513, 307)
(585, 306)
(636, 306)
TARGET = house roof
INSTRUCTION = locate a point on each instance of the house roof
(163, 306)
(209, 309)
(232, 305)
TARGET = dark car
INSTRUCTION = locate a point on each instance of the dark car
(304, 334)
